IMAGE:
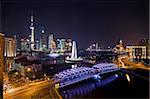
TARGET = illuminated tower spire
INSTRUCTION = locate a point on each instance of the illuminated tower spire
(32, 33)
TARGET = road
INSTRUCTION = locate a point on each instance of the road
(42, 89)
(133, 65)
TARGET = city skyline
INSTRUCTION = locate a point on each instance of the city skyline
(105, 22)
(74, 49)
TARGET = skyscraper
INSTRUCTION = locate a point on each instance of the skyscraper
(50, 40)
(32, 33)
(25, 44)
(64, 45)
(68, 44)
(9, 52)
(37, 45)
(43, 40)
(61, 45)
(10, 47)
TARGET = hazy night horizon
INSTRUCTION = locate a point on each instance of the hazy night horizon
(105, 22)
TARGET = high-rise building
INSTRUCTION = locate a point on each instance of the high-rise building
(64, 44)
(32, 33)
(15, 38)
(9, 52)
(50, 40)
(68, 44)
(1, 57)
(25, 44)
(96, 46)
(61, 45)
(37, 45)
(10, 47)
(43, 40)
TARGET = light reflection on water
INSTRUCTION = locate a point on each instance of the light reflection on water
(88, 87)
(128, 78)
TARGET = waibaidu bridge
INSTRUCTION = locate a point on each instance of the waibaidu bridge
(74, 75)
(87, 88)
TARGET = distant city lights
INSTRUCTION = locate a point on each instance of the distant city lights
(54, 55)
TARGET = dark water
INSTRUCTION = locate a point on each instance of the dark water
(120, 84)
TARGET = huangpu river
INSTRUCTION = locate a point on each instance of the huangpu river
(119, 84)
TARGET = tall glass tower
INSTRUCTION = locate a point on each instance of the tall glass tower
(32, 33)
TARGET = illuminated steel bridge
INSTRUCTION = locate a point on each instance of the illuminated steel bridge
(86, 88)
(74, 75)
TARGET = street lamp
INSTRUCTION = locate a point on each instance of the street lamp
(93, 45)
(27, 78)
(16, 73)
(44, 74)
(28, 69)
(33, 77)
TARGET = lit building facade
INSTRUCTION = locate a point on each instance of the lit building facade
(10, 47)
(61, 44)
(136, 52)
(32, 33)
(50, 40)
(43, 40)
(93, 46)
(51, 43)
(68, 44)
(64, 45)
(1, 56)
(37, 45)
(119, 47)
(146, 42)
(9, 52)
(25, 45)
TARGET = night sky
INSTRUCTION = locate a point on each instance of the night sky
(86, 21)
